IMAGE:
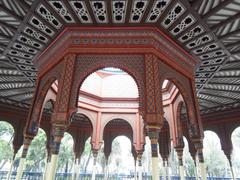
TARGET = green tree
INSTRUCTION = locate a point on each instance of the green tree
(236, 150)
(6, 138)
(216, 162)
(66, 158)
(37, 153)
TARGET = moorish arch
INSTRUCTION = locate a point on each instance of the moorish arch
(114, 128)
(81, 129)
(131, 64)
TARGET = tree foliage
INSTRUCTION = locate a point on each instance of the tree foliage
(37, 153)
(6, 138)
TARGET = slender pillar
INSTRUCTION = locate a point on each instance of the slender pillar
(75, 169)
(164, 170)
(26, 143)
(180, 162)
(47, 166)
(153, 134)
(11, 167)
(230, 165)
(135, 169)
(139, 166)
(58, 132)
(195, 168)
(106, 169)
(202, 168)
(167, 171)
(94, 169)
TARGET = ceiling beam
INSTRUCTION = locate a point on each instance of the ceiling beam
(216, 9)
(6, 82)
(5, 36)
(3, 90)
(26, 99)
(211, 101)
(10, 13)
(11, 28)
(218, 96)
(236, 52)
(225, 36)
(24, 5)
(228, 46)
(222, 90)
(223, 84)
(196, 4)
(225, 77)
(12, 75)
(18, 94)
(225, 22)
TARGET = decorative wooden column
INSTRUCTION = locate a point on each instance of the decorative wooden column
(62, 112)
(193, 153)
(26, 143)
(154, 108)
(58, 133)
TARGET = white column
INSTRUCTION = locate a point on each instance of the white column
(202, 170)
(106, 169)
(53, 167)
(196, 169)
(167, 171)
(94, 172)
(94, 169)
(155, 170)
(232, 172)
(47, 169)
(135, 169)
(140, 168)
(10, 169)
(164, 171)
(75, 169)
(181, 172)
(20, 168)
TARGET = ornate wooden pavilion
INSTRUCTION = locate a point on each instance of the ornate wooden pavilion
(48, 48)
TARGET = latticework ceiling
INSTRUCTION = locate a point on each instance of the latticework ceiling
(208, 29)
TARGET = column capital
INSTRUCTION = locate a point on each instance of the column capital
(194, 132)
(58, 131)
(26, 143)
(153, 131)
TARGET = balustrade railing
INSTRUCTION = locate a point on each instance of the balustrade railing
(68, 176)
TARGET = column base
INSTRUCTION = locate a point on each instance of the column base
(20, 168)
(155, 170)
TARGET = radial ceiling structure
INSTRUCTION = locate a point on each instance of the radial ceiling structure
(207, 29)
